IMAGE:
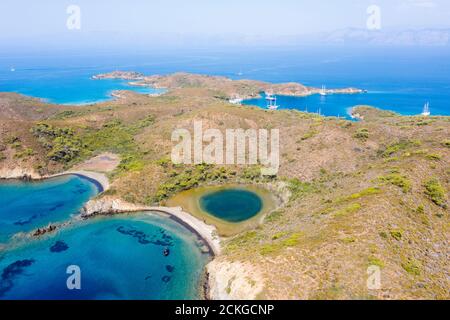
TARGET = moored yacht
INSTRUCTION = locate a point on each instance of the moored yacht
(426, 110)
(271, 101)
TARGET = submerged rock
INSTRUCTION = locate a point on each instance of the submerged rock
(170, 268)
(14, 269)
(59, 246)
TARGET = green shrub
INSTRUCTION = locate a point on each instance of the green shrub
(362, 134)
(397, 234)
(398, 180)
(436, 192)
(374, 261)
(355, 207)
(446, 143)
(62, 144)
(274, 216)
(349, 240)
(268, 249)
(308, 135)
(433, 156)
(298, 188)
(366, 192)
(251, 173)
(190, 178)
(278, 235)
(398, 146)
(11, 139)
(292, 241)
(242, 240)
(27, 152)
(412, 267)
(420, 209)
(383, 234)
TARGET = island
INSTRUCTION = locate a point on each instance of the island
(245, 89)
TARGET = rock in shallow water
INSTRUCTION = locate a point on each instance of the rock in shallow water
(59, 246)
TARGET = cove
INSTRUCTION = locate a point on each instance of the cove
(119, 257)
(232, 205)
(401, 102)
(26, 206)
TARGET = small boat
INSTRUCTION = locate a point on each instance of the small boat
(269, 96)
(426, 110)
(166, 252)
(271, 101)
(12, 69)
(236, 100)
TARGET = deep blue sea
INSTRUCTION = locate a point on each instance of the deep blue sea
(398, 79)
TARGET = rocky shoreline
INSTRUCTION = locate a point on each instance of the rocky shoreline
(223, 280)
(231, 88)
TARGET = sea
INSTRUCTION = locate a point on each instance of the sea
(143, 256)
(400, 79)
(149, 257)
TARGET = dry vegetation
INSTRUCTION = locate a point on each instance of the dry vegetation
(364, 193)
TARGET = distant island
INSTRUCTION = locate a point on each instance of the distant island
(245, 89)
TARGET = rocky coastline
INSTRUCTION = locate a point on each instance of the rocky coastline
(222, 279)
(246, 89)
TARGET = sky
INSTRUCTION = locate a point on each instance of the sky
(46, 20)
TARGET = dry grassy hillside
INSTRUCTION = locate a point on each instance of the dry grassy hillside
(373, 192)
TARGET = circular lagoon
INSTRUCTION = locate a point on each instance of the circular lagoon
(233, 205)
(143, 256)
(231, 208)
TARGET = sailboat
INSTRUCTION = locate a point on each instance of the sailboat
(12, 69)
(236, 100)
(426, 110)
(323, 92)
(271, 101)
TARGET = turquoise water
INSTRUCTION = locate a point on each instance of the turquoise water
(232, 205)
(397, 79)
(119, 258)
(339, 105)
(26, 206)
(76, 87)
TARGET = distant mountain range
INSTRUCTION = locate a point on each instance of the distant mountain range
(351, 36)
(424, 37)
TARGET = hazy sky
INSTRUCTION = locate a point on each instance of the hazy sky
(29, 18)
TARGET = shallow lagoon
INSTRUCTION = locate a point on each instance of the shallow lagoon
(231, 208)
(232, 205)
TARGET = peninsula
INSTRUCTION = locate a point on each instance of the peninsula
(245, 89)
(355, 194)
